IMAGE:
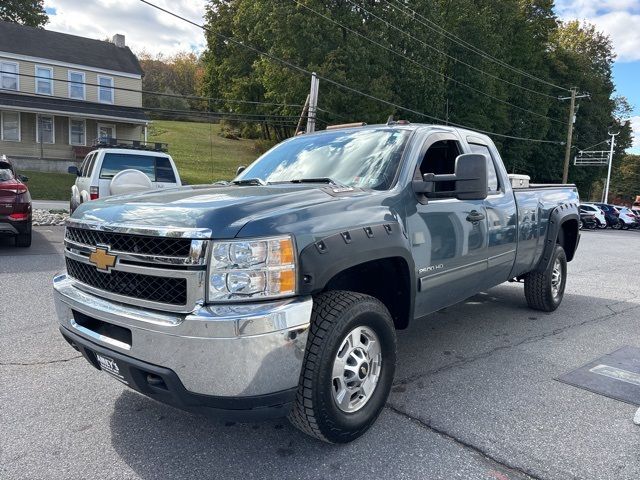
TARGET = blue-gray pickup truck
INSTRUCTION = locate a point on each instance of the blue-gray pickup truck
(280, 293)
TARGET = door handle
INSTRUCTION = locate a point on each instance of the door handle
(475, 216)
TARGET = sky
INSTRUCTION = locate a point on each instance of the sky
(147, 29)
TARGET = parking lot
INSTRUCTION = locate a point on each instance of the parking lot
(475, 395)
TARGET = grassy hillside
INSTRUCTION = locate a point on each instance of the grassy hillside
(49, 186)
(201, 154)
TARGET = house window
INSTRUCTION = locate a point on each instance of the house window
(44, 80)
(10, 126)
(77, 132)
(76, 85)
(105, 89)
(106, 131)
(9, 76)
(45, 131)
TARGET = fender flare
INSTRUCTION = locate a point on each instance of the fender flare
(323, 259)
(558, 216)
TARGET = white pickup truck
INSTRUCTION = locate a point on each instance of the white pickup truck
(116, 170)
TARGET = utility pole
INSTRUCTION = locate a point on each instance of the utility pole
(572, 120)
(313, 103)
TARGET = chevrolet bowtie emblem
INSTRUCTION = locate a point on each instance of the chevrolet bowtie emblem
(102, 259)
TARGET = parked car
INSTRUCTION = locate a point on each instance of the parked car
(15, 204)
(280, 293)
(116, 168)
(611, 215)
(601, 220)
(627, 217)
(588, 220)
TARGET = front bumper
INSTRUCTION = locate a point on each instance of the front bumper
(243, 356)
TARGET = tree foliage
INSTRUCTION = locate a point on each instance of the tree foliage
(372, 46)
(25, 12)
(180, 75)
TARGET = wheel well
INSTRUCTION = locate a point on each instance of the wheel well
(386, 279)
(568, 237)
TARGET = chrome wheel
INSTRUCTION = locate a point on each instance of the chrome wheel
(356, 369)
(556, 278)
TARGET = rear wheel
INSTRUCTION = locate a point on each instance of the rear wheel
(616, 225)
(544, 290)
(23, 240)
(348, 367)
(602, 225)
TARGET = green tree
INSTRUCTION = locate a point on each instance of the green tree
(25, 12)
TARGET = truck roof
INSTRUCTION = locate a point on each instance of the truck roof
(410, 127)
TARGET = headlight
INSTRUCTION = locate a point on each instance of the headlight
(256, 268)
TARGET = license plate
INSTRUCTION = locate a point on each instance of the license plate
(110, 366)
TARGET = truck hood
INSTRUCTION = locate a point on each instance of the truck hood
(222, 209)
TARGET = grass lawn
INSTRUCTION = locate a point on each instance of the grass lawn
(202, 156)
(49, 186)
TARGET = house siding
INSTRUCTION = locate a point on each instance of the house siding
(61, 88)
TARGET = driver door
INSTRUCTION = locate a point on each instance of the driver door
(448, 235)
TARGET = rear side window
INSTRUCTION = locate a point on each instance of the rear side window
(492, 176)
(164, 170)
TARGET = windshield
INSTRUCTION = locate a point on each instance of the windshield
(362, 158)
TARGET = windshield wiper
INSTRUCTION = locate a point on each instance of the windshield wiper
(250, 181)
(320, 180)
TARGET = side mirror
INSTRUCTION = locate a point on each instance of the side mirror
(73, 170)
(470, 179)
(23, 178)
(240, 169)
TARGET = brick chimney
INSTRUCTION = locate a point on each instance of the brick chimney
(118, 40)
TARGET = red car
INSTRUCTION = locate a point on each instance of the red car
(15, 204)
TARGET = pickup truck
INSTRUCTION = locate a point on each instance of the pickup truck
(280, 293)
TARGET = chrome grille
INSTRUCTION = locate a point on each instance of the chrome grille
(122, 242)
(169, 290)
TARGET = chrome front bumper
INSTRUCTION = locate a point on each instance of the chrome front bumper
(232, 350)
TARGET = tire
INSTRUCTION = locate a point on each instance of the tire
(581, 225)
(317, 410)
(541, 289)
(616, 225)
(602, 226)
(624, 226)
(23, 240)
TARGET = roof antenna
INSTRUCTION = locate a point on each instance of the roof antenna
(390, 120)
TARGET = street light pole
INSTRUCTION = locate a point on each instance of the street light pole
(606, 186)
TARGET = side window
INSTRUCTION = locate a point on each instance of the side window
(492, 176)
(164, 171)
(92, 162)
(84, 169)
(440, 158)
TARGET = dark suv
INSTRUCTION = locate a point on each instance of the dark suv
(15, 204)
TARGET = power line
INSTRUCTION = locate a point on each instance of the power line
(455, 59)
(456, 39)
(426, 67)
(149, 92)
(328, 80)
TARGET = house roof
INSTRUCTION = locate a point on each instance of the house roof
(62, 106)
(37, 42)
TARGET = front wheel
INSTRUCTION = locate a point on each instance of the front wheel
(602, 225)
(616, 225)
(544, 290)
(348, 367)
(624, 226)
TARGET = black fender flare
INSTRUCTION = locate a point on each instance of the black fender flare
(558, 216)
(325, 258)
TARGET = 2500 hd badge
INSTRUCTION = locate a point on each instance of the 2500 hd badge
(280, 293)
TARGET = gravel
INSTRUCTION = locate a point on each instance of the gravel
(49, 217)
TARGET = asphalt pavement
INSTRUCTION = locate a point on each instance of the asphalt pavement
(475, 395)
